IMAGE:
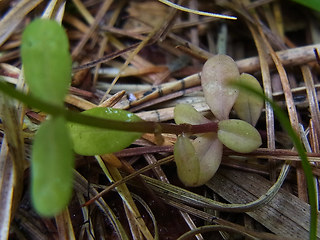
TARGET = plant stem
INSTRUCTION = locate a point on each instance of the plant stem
(145, 126)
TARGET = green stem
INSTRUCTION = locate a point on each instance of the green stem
(285, 123)
(145, 126)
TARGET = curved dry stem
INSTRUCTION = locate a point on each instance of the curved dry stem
(191, 198)
(211, 228)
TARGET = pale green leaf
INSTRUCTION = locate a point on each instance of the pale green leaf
(186, 113)
(46, 60)
(198, 160)
(51, 167)
(209, 151)
(216, 75)
(248, 105)
(188, 167)
(91, 141)
(239, 135)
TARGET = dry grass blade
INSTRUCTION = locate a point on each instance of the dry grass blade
(105, 6)
(266, 79)
(161, 175)
(81, 185)
(212, 219)
(9, 23)
(64, 225)
(114, 176)
(12, 164)
(6, 190)
(312, 97)
(285, 215)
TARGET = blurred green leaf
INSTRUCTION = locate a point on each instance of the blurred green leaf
(239, 135)
(313, 4)
(51, 167)
(96, 141)
(46, 60)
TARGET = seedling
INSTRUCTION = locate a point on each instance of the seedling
(198, 160)
(47, 68)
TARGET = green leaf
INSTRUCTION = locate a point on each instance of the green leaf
(239, 135)
(186, 113)
(217, 72)
(198, 160)
(314, 4)
(51, 167)
(188, 167)
(209, 151)
(46, 60)
(248, 105)
(96, 141)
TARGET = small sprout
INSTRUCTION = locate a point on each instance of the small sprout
(91, 141)
(47, 70)
(52, 167)
(185, 113)
(239, 135)
(217, 73)
(248, 105)
(205, 151)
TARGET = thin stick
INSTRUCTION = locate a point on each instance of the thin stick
(208, 14)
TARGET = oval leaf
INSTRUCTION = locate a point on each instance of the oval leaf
(46, 60)
(248, 105)
(187, 161)
(186, 113)
(209, 151)
(217, 72)
(239, 135)
(51, 167)
(91, 141)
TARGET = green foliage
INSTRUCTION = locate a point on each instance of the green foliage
(51, 167)
(313, 4)
(239, 135)
(47, 69)
(89, 140)
(248, 106)
(46, 60)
